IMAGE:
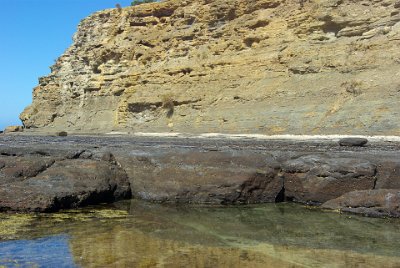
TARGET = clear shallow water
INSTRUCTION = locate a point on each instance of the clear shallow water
(140, 234)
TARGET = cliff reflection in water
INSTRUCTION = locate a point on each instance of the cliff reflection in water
(139, 234)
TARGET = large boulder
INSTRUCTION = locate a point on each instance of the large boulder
(376, 203)
(202, 176)
(45, 185)
(319, 178)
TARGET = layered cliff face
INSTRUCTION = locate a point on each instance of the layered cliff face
(235, 66)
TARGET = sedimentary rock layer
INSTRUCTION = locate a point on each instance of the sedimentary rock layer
(60, 172)
(234, 66)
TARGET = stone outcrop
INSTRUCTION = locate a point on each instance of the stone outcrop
(40, 182)
(49, 173)
(261, 66)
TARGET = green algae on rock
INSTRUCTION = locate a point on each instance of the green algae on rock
(12, 224)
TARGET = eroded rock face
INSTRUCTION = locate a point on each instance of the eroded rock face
(262, 66)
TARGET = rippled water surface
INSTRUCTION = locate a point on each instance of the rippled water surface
(139, 234)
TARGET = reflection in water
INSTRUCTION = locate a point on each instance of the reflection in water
(139, 234)
(51, 251)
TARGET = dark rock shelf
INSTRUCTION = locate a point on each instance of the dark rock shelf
(45, 174)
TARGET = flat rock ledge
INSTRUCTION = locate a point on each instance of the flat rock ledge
(46, 174)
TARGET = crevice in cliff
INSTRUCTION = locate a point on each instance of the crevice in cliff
(183, 71)
(375, 178)
(7, 154)
(331, 27)
(75, 154)
(146, 43)
(63, 203)
(44, 168)
(104, 57)
(250, 40)
(281, 196)
(139, 107)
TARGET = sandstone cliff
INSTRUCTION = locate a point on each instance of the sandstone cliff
(260, 66)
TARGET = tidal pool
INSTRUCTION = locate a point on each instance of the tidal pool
(139, 234)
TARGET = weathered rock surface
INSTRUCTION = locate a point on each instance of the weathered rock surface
(44, 184)
(261, 66)
(388, 173)
(319, 178)
(49, 173)
(202, 176)
(376, 203)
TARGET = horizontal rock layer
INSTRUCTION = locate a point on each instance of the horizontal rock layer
(59, 172)
(234, 66)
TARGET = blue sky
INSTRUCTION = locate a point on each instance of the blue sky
(33, 34)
